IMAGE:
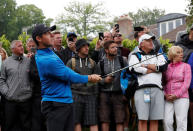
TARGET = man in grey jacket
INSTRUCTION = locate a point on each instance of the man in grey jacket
(111, 98)
(15, 88)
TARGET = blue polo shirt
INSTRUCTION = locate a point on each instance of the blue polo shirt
(55, 77)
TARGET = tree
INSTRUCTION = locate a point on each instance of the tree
(83, 18)
(8, 18)
(48, 21)
(27, 16)
(146, 16)
(5, 44)
(189, 10)
(13, 19)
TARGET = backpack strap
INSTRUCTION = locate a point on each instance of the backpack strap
(121, 61)
(91, 62)
(138, 55)
(102, 64)
(102, 67)
(73, 63)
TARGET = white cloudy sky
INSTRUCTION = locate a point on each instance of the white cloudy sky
(53, 8)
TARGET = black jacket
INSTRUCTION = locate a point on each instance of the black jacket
(187, 46)
(98, 55)
(35, 79)
(66, 54)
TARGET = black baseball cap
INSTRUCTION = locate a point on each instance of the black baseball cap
(71, 34)
(41, 29)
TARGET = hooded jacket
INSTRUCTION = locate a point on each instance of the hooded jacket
(84, 66)
(187, 46)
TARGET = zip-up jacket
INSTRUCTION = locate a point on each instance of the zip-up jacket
(110, 66)
(187, 46)
(84, 66)
(151, 79)
(55, 77)
(177, 78)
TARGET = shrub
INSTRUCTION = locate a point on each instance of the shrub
(166, 44)
(131, 44)
(64, 43)
(24, 37)
(5, 44)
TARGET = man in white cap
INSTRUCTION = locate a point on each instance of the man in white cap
(149, 97)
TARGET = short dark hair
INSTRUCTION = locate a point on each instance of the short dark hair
(37, 41)
(108, 43)
(136, 34)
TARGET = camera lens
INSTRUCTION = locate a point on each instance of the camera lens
(70, 39)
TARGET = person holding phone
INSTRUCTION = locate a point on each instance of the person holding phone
(115, 30)
(69, 51)
(99, 51)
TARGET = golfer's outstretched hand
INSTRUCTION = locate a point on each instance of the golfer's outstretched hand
(94, 78)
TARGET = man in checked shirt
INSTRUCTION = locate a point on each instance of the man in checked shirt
(16, 90)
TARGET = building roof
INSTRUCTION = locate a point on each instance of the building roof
(172, 34)
(170, 16)
(154, 29)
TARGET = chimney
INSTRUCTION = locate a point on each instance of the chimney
(125, 25)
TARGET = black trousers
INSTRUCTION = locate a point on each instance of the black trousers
(17, 116)
(59, 116)
(38, 122)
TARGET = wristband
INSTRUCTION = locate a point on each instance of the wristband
(157, 68)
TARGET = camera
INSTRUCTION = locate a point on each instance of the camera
(70, 39)
(53, 28)
(138, 28)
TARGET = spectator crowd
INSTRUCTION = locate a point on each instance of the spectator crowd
(56, 88)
